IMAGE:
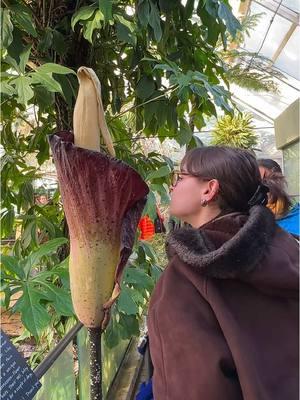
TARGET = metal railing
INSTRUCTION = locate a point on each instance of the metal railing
(46, 364)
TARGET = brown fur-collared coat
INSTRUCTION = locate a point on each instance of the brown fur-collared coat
(223, 318)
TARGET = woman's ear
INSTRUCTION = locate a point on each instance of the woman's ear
(212, 190)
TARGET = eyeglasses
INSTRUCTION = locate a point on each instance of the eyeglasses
(176, 177)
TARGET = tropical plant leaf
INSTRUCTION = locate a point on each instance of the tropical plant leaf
(24, 57)
(7, 222)
(143, 12)
(125, 30)
(145, 87)
(83, 14)
(154, 21)
(185, 133)
(11, 264)
(44, 250)
(6, 28)
(24, 90)
(24, 19)
(130, 325)
(138, 277)
(162, 171)
(34, 316)
(46, 80)
(91, 25)
(60, 298)
(52, 68)
(105, 6)
(126, 303)
(232, 23)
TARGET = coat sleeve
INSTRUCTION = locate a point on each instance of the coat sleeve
(189, 352)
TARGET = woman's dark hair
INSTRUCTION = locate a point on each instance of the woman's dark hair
(236, 171)
(269, 164)
(276, 183)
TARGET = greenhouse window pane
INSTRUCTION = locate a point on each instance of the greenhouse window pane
(59, 381)
(288, 60)
(253, 42)
(293, 5)
(275, 36)
(111, 359)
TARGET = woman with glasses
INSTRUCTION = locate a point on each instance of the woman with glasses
(223, 318)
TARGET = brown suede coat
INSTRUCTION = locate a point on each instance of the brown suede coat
(223, 318)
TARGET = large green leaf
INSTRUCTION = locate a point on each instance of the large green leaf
(145, 87)
(46, 80)
(112, 333)
(49, 68)
(7, 89)
(220, 96)
(45, 223)
(150, 207)
(44, 250)
(232, 23)
(125, 30)
(34, 316)
(91, 25)
(149, 251)
(208, 20)
(6, 28)
(138, 277)
(154, 21)
(185, 133)
(24, 57)
(27, 194)
(61, 300)
(105, 6)
(83, 14)
(44, 99)
(7, 222)
(126, 303)
(58, 42)
(162, 171)
(46, 40)
(156, 272)
(130, 326)
(24, 90)
(143, 12)
(24, 19)
(11, 264)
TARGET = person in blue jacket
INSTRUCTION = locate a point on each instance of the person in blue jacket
(286, 212)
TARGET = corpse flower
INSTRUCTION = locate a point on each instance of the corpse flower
(103, 199)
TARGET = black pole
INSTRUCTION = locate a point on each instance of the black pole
(43, 367)
(95, 363)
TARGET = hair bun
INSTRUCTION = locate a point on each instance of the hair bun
(260, 197)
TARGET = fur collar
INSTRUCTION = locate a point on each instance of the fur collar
(226, 247)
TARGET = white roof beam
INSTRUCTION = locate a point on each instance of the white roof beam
(284, 42)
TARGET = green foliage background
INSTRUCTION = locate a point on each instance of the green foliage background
(161, 75)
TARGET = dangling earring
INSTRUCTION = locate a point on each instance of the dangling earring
(204, 203)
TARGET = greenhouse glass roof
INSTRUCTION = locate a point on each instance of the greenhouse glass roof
(277, 37)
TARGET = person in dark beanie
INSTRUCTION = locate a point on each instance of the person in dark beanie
(223, 317)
